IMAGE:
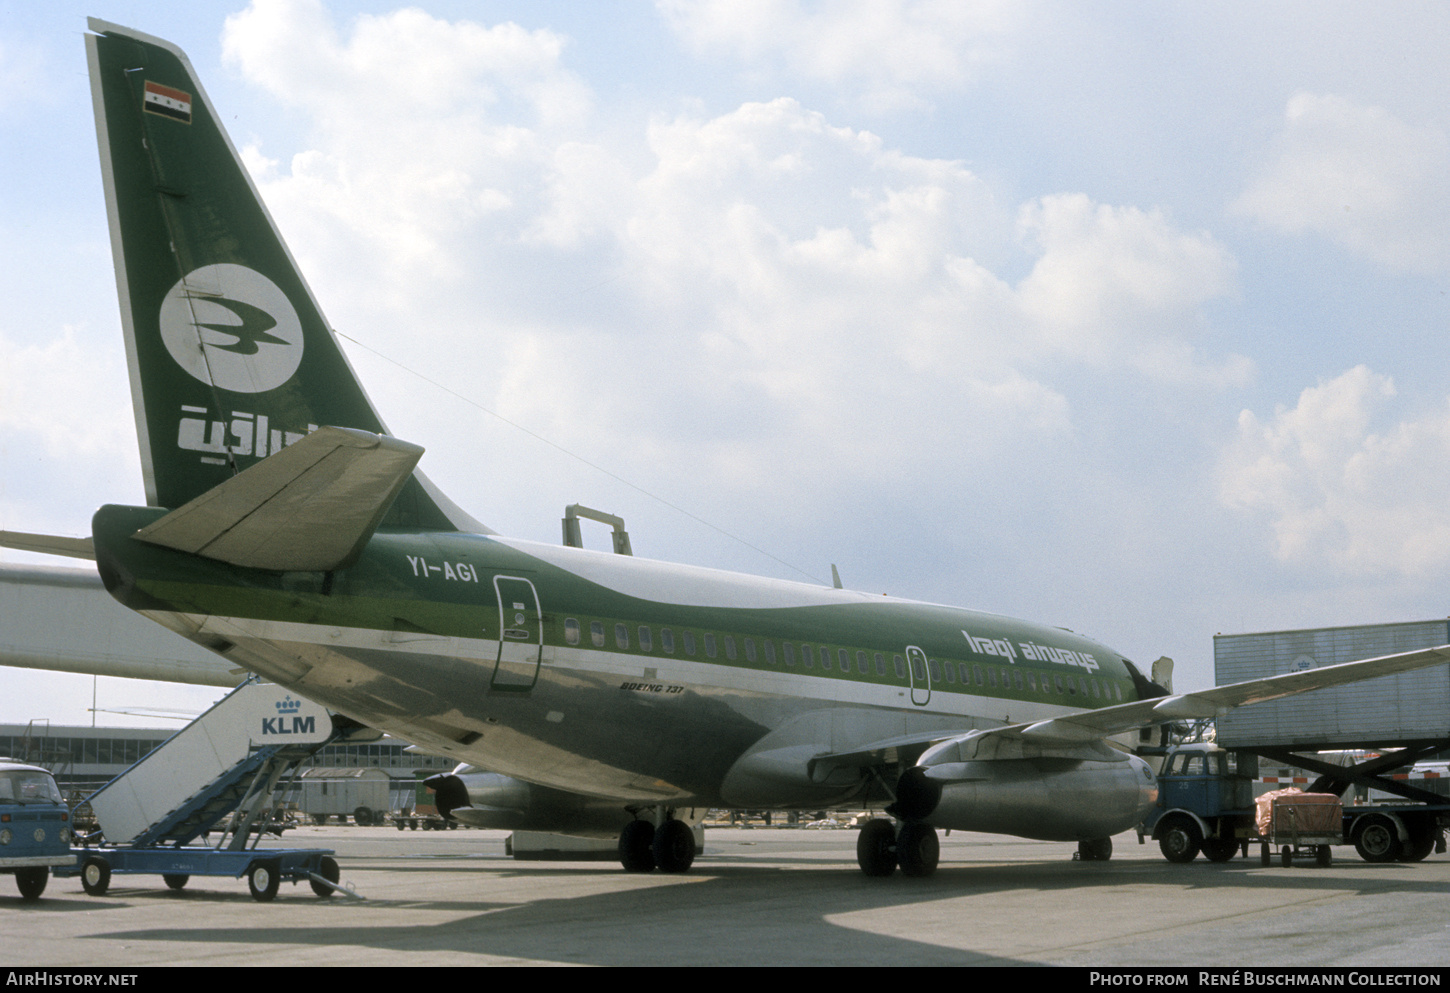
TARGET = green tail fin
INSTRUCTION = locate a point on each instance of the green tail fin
(230, 356)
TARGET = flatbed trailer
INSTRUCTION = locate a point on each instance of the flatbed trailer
(265, 869)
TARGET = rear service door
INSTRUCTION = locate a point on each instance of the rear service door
(521, 635)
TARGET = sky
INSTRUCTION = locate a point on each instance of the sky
(1128, 318)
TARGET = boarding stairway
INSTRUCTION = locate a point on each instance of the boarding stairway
(229, 759)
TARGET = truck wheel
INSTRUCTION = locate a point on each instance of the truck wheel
(95, 875)
(1376, 840)
(1180, 840)
(32, 880)
(1219, 849)
(1422, 840)
(1322, 856)
(176, 880)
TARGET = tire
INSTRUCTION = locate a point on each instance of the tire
(917, 849)
(1286, 856)
(328, 870)
(876, 848)
(1323, 857)
(1422, 840)
(263, 878)
(674, 846)
(31, 880)
(1219, 849)
(95, 875)
(175, 880)
(363, 816)
(636, 847)
(1180, 840)
(1376, 840)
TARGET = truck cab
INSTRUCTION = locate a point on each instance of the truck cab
(1203, 794)
(35, 827)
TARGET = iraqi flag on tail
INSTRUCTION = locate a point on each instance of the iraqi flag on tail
(168, 102)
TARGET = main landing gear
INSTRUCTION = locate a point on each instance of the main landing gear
(670, 847)
(881, 847)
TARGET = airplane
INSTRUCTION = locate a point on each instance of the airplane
(289, 533)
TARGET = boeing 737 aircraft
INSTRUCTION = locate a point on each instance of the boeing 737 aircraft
(289, 533)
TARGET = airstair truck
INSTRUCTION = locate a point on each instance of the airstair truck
(34, 826)
(1373, 730)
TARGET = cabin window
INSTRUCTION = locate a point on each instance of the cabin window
(1118, 692)
(621, 636)
(789, 653)
(596, 633)
(844, 658)
(571, 630)
(951, 672)
(646, 640)
(991, 677)
(770, 651)
(750, 649)
(1006, 680)
(710, 648)
(862, 666)
(730, 647)
(1097, 690)
(667, 640)
(918, 669)
(1017, 678)
(1032, 681)
(880, 664)
(689, 642)
(977, 676)
(935, 670)
(808, 657)
(900, 664)
(1057, 680)
(825, 658)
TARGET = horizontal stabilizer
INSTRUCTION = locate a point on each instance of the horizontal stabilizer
(309, 508)
(49, 544)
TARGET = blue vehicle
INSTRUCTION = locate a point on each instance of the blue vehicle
(35, 826)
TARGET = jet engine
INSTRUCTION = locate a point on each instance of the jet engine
(1071, 793)
(490, 800)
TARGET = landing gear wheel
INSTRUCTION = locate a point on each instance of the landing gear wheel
(1219, 849)
(917, 849)
(263, 879)
(1180, 840)
(327, 869)
(95, 875)
(636, 847)
(1376, 840)
(1323, 857)
(876, 847)
(175, 880)
(31, 880)
(1095, 850)
(674, 846)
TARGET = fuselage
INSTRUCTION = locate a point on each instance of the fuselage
(609, 675)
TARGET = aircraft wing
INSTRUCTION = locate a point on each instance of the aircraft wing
(309, 508)
(1090, 726)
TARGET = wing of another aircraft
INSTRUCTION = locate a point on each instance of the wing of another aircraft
(49, 544)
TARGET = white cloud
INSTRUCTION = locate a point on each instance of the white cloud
(1360, 176)
(1339, 493)
(892, 52)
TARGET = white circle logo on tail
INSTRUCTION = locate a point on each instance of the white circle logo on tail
(231, 326)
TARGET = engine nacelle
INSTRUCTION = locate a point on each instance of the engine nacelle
(1071, 793)
(490, 800)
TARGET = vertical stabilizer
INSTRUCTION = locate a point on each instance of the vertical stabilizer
(230, 356)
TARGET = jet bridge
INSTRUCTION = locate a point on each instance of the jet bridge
(230, 760)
